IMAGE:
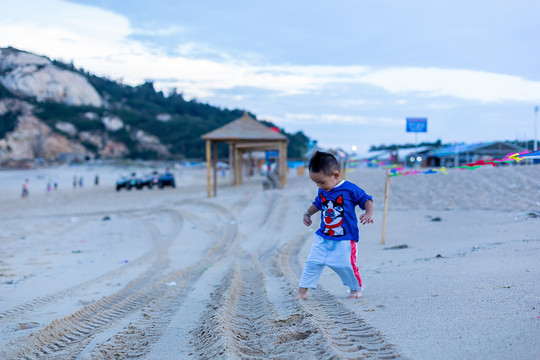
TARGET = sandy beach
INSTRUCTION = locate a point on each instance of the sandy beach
(92, 273)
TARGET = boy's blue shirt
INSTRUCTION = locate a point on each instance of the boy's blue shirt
(338, 216)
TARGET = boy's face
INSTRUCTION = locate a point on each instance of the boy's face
(325, 181)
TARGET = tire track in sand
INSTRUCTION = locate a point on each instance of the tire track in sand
(71, 333)
(135, 340)
(241, 323)
(158, 242)
(240, 320)
(345, 332)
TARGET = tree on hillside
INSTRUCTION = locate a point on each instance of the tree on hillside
(140, 107)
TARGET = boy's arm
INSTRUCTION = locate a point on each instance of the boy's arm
(307, 215)
(367, 217)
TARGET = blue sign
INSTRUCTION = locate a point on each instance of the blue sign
(416, 124)
(272, 153)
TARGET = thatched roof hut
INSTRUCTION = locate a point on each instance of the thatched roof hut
(244, 134)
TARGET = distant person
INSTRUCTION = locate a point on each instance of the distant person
(96, 180)
(334, 243)
(49, 186)
(25, 191)
(81, 181)
(74, 181)
(55, 183)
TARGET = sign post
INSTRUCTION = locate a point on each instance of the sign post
(416, 125)
(535, 147)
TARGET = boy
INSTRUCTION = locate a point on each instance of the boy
(335, 240)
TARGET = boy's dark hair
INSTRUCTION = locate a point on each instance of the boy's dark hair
(323, 161)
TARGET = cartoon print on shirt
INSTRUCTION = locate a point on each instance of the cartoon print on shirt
(332, 213)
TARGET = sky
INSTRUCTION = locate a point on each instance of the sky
(346, 73)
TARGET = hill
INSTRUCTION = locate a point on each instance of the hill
(52, 110)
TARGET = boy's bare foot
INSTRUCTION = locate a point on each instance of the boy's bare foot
(355, 295)
(301, 294)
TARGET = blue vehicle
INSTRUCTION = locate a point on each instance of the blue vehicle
(149, 180)
(166, 179)
(127, 182)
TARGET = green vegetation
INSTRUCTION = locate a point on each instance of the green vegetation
(437, 143)
(51, 113)
(8, 122)
(4, 92)
(139, 107)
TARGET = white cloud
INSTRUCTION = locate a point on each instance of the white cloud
(459, 83)
(307, 119)
(159, 31)
(100, 41)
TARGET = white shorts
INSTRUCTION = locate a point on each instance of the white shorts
(340, 256)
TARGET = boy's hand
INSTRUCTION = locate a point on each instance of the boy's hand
(307, 220)
(366, 219)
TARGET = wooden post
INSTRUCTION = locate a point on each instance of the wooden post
(236, 165)
(387, 187)
(343, 169)
(232, 165)
(285, 166)
(282, 146)
(239, 166)
(208, 157)
(250, 164)
(214, 165)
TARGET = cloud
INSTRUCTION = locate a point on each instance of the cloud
(307, 119)
(170, 30)
(104, 43)
(465, 84)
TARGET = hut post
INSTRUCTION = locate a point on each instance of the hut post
(285, 157)
(250, 164)
(240, 166)
(282, 164)
(232, 165)
(237, 166)
(214, 165)
(208, 150)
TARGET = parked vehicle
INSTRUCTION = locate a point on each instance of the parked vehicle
(122, 182)
(127, 182)
(166, 179)
(149, 180)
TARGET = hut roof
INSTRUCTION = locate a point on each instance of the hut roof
(244, 128)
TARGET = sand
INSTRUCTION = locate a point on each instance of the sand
(91, 273)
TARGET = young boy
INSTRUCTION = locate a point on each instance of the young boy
(335, 240)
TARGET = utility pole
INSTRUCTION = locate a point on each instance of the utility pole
(535, 146)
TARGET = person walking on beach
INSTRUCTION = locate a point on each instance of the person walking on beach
(334, 243)
(25, 192)
(74, 181)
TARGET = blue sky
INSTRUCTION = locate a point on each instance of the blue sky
(347, 73)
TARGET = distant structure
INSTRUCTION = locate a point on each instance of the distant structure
(244, 135)
(455, 155)
(450, 155)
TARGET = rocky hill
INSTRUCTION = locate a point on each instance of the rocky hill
(53, 111)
